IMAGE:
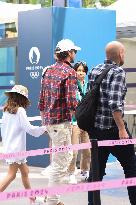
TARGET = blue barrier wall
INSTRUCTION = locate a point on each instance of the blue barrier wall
(34, 53)
(91, 29)
(39, 32)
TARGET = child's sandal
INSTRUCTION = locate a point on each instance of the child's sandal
(32, 200)
(60, 203)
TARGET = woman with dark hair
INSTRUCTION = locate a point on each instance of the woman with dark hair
(81, 65)
(78, 135)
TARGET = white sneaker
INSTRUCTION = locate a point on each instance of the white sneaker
(46, 171)
(84, 175)
(39, 201)
(72, 179)
(76, 172)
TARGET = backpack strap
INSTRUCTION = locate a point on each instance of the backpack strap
(44, 71)
(102, 75)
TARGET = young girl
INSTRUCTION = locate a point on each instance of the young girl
(14, 127)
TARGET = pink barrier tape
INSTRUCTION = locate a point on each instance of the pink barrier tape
(130, 106)
(116, 142)
(45, 151)
(93, 186)
(65, 148)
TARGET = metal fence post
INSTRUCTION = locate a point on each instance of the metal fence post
(95, 171)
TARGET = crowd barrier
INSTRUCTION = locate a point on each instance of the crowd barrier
(94, 186)
(64, 189)
(66, 148)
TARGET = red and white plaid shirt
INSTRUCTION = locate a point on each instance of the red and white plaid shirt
(58, 93)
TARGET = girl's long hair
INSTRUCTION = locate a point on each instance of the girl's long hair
(15, 100)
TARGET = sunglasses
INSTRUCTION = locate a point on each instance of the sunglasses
(82, 62)
(75, 51)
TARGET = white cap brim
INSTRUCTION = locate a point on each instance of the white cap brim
(74, 48)
(77, 48)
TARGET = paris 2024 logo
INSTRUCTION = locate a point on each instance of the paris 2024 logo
(34, 55)
(34, 58)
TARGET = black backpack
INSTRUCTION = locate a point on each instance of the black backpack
(86, 109)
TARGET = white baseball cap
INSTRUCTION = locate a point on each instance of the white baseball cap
(19, 89)
(66, 45)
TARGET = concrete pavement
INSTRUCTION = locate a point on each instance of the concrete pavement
(112, 196)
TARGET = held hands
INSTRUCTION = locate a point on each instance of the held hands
(42, 117)
(46, 133)
(42, 122)
(123, 134)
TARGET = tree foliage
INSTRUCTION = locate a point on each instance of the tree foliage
(91, 3)
(47, 3)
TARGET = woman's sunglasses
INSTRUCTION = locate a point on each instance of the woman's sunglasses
(82, 62)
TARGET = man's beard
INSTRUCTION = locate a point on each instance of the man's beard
(72, 61)
(121, 63)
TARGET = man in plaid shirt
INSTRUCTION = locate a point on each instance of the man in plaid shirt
(109, 123)
(57, 103)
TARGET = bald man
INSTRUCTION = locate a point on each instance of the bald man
(109, 123)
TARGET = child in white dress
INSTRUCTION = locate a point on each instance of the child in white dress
(14, 127)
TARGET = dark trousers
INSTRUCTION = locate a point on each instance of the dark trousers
(124, 153)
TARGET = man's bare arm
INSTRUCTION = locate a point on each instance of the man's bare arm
(42, 117)
(117, 115)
